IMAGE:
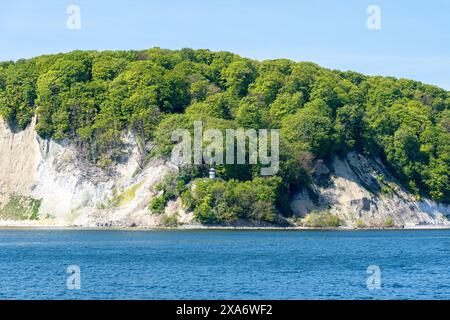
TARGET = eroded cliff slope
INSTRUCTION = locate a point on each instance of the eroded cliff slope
(46, 183)
(362, 193)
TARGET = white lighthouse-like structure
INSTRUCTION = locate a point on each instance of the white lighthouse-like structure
(212, 171)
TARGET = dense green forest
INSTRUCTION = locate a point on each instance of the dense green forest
(93, 97)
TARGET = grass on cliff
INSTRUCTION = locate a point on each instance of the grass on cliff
(170, 220)
(323, 219)
(127, 196)
(20, 208)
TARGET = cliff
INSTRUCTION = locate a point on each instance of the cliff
(47, 183)
(362, 193)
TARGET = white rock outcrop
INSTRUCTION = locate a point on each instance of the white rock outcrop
(362, 193)
(72, 191)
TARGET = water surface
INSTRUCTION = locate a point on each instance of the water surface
(415, 264)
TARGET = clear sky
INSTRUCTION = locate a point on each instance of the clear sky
(413, 42)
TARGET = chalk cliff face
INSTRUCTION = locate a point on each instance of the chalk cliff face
(46, 183)
(362, 193)
(54, 186)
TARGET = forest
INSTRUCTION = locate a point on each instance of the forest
(92, 98)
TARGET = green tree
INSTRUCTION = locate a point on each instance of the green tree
(310, 129)
(239, 75)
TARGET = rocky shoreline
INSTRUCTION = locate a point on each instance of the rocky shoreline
(19, 225)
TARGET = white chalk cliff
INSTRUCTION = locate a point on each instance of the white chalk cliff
(56, 187)
(362, 193)
(70, 190)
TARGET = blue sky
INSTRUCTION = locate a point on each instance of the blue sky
(413, 42)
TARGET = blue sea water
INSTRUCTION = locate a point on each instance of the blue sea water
(213, 264)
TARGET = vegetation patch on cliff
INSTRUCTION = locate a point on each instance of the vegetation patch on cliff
(323, 219)
(20, 208)
(126, 196)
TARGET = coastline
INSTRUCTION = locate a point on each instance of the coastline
(25, 226)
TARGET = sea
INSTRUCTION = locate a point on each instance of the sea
(224, 264)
